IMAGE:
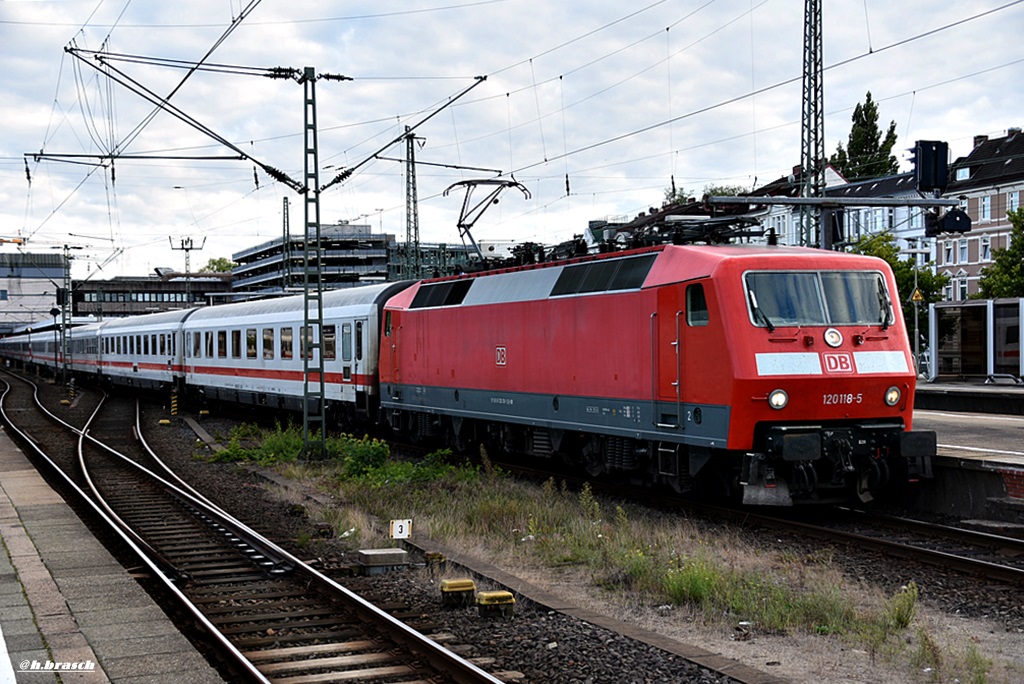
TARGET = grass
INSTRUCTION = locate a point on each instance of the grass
(638, 554)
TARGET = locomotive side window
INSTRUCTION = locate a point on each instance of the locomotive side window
(222, 344)
(250, 343)
(330, 344)
(696, 306)
(236, 344)
(387, 324)
(346, 341)
(286, 343)
(268, 343)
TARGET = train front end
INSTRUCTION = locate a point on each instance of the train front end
(824, 382)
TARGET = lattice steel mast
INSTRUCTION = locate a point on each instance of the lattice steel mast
(812, 148)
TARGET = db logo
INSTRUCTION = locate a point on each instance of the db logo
(838, 362)
(500, 356)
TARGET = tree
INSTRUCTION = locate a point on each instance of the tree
(929, 283)
(866, 155)
(218, 265)
(682, 195)
(1005, 277)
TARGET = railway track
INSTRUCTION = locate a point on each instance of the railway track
(989, 556)
(275, 618)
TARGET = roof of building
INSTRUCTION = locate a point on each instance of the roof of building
(992, 161)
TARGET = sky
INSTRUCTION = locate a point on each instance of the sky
(595, 107)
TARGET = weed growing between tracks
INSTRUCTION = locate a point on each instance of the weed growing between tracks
(636, 554)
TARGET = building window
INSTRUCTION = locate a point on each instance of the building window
(961, 286)
(963, 173)
(1012, 201)
(947, 252)
(963, 251)
(985, 249)
(985, 208)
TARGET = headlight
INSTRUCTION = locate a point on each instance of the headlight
(833, 337)
(778, 399)
(892, 396)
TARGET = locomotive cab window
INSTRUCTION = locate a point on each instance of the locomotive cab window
(696, 306)
(818, 298)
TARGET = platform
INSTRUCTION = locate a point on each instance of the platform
(971, 395)
(67, 607)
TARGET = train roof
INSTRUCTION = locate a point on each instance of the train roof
(352, 296)
(617, 272)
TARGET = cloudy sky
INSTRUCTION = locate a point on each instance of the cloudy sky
(594, 106)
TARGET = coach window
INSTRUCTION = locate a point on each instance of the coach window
(117, 343)
(359, 341)
(163, 344)
(286, 343)
(250, 343)
(131, 344)
(236, 344)
(209, 345)
(153, 344)
(222, 344)
(197, 344)
(330, 342)
(306, 342)
(346, 341)
(145, 345)
(696, 306)
(268, 343)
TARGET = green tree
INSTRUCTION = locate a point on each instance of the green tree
(218, 265)
(1005, 277)
(682, 195)
(929, 283)
(867, 154)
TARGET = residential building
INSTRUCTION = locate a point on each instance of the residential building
(989, 182)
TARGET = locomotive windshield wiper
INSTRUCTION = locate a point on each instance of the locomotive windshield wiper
(886, 305)
(757, 311)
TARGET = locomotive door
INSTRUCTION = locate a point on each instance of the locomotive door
(667, 352)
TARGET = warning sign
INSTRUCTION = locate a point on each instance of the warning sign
(917, 296)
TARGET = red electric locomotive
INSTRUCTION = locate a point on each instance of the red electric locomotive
(782, 373)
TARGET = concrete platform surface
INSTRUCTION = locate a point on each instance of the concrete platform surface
(69, 612)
